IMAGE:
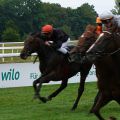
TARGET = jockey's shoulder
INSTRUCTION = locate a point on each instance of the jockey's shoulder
(117, 19)
(117, 16)
(59, 32)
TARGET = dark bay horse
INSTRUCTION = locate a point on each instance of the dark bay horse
(61, 69)
(105, 54)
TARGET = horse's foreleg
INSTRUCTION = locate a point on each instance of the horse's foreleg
(43, 99)
(35, 82)
(55, 93)
(35, 87)
(80, 91)
(101, 101)
(84, 72)
(95, 101)
(44, 79)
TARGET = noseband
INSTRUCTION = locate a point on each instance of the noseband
(114, 52)
(100, 53)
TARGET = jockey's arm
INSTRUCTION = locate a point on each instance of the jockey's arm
(57, 44)
(49, 43)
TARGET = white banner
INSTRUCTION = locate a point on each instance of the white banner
(23, 74)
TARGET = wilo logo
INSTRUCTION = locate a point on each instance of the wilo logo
(10, 75)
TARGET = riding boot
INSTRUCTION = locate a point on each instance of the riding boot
(84, 60)
(75, 57)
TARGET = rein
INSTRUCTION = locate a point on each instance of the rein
(35, 59)
(116, 51)
(109, 54)
(112, 53)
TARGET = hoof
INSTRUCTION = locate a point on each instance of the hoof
(48, 98)
(112, 118)
(43, 99)
(35, 96)
(91, 111)
(73, 108)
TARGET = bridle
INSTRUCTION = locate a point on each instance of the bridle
(100, 53)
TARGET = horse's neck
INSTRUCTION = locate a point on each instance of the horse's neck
(44, 54)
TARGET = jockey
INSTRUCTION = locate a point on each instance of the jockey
(110, 21)
(56, 38)
(99, 26)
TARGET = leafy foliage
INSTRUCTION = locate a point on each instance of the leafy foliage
(11, 35)
(30, 15)
(116, 10)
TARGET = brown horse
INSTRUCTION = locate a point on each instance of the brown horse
(105, 54)
(61, 69)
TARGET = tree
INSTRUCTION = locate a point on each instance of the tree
(116, 10)
(10, 35)
(83, 16)
(11, 32)
(30, 15)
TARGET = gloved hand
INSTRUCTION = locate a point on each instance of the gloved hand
(47, 43)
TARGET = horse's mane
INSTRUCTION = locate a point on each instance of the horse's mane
(91, 28)
(89, 33)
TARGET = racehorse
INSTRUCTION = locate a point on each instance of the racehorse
(105, 54)
(61, 68)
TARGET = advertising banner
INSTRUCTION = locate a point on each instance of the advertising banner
(23, 74)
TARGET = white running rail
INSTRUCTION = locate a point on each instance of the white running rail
(11, 46)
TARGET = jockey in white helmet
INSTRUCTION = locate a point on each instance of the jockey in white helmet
(111, 22)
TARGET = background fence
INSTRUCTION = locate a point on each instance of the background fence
(9, 50)
(13, 73)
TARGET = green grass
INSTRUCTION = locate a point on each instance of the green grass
(17, 104)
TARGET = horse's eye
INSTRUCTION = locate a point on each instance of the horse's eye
(31, 42)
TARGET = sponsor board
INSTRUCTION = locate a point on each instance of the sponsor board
(23, 74)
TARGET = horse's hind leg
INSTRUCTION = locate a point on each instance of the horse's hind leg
(101, 101)
(55, 93)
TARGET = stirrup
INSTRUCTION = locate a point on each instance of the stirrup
(67, 55)
(69, 59)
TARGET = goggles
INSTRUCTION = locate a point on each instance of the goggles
(106, 21)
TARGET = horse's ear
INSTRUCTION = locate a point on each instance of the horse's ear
(32, 33)
(35, 34)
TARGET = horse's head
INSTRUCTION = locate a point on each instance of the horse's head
(106, 45)
(31, 45)
(87, 38)
(85, 41)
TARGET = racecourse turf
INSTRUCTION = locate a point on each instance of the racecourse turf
(17, 104)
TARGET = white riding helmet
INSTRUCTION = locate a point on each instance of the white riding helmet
(106, 16)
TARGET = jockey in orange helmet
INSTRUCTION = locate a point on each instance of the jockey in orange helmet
(110, 21)
(55, 38)
(99, 26)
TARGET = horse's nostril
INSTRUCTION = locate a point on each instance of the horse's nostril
(23, 56)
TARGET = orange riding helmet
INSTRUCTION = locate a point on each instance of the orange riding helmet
(98, 20)
(47, 29)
